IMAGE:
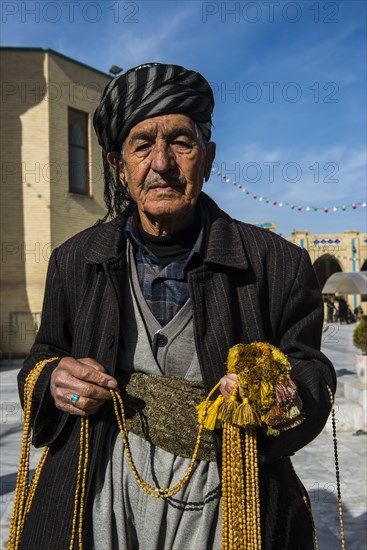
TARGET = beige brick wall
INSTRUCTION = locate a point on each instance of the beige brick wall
(80, 89)
(25, 218)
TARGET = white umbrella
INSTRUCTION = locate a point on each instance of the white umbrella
(346, 283)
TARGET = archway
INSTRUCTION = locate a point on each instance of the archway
(325, 266)
(364, 266)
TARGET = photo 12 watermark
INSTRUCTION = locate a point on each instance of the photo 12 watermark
(275, 92)
(275, 171)
(47, 172)
(270, 12)
(51, 92)
(69, 11)
(36, 252)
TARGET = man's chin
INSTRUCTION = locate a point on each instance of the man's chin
(167, 207)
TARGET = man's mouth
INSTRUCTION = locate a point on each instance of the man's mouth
(164, 185)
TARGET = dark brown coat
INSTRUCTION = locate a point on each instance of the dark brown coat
(253, 286)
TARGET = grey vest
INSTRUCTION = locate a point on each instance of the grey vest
(146, 346)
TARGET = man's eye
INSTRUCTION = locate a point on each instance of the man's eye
(142, 147)
(181, 143)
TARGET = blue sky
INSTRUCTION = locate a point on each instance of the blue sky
(289, 80)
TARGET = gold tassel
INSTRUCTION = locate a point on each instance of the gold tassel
(211, 418)
(292, 413)
(229, 407)
(269, 430)
(245, 415)
(275, 417)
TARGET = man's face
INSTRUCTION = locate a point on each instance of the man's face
(164, 165)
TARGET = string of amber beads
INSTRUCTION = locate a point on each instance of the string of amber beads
(151, 490)
(24, 492)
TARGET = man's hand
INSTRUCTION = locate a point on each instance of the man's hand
(84, 377)
(227, 384)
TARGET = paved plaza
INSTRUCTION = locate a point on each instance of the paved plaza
(314, 464)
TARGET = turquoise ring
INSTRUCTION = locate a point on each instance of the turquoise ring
(75, 398)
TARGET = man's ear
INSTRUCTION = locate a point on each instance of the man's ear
(210, 156)
(114, 160)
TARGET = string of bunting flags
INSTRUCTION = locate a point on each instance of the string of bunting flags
(280, 204)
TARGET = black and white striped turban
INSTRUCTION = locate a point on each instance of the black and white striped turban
(147, 91)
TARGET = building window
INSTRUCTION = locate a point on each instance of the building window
(78, 152)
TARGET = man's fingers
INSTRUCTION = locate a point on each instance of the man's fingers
(92, 363)
(89, 370)
(84, 404)
(67, 385)
(227, 384)
(84, 377)
(93, 376)
(78, 408)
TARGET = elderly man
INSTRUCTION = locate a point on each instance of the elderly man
(158, 296)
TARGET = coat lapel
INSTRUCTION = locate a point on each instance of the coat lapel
(215, 289)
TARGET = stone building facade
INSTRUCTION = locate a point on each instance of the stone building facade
(335, 252)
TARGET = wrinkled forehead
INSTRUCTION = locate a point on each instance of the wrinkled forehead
(171, 125)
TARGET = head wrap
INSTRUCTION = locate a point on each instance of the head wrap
(150, 90)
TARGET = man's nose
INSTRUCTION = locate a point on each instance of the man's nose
(163, 158)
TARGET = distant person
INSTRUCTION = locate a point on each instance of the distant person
(343, 310)
(330, 310)
(350, 316)
(358, 312)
